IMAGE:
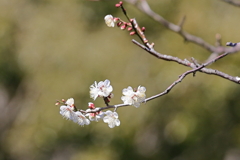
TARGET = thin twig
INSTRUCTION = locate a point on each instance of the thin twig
(192, 65)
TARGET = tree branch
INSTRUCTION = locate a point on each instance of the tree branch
(143, 6)
(233, 2)
(192, 64)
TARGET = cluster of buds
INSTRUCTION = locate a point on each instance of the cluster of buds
(101, 89)
(110, 21)
(119, 4)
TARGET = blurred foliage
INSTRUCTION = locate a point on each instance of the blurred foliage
(53, 49)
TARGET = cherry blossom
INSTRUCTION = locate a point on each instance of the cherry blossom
(101, 89)
(111, 118)
(68, 112)
(96, 116)
(81, 120)
(70, 102)
(109, 20)
(132, 97)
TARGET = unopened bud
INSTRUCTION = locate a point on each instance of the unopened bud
(91, 105)
(132, 33)
(120, 2)
(115, 19)
(123, 27)
(143, 29)
(63, 100)
(129, 28)
(119, 24)
(117, 5)
(111, 95)
(129, 24)
(57, 103)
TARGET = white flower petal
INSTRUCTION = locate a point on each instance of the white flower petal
(68, 113)
(102, 89)
(111, 118)
(117, 122)
(109, 20)
(82, 120)
(70, 102)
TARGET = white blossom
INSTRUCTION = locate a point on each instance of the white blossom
(82, 120)
(109, 20)
(101, 89)
(68, 113)
(70, 102)
(95, 116)
(133, 98)
(111, 118)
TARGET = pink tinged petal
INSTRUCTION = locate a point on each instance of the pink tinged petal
(67, 113)
(82, 119)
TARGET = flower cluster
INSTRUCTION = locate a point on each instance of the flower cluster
(132, 97)
(101, 89)
(110, 22)
(68, 112)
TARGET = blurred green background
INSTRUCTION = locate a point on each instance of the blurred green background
(54, 49)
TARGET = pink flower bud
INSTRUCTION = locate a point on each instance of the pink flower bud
(120, 2)
(117, 5)
(123, 27)
(129, 24)
(129, 28)
(143, 29)
(115, 19)
(119, 24)
(91, 105)
(132, 33)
